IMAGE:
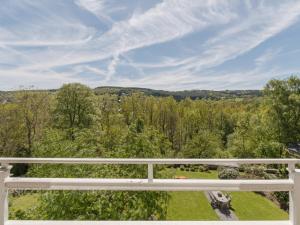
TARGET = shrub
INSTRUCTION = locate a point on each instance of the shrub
(182, 167)
(283, 199)
(228, 173)
(259, 171)
(201, 168)
(270, 176)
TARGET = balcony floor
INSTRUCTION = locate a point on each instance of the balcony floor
(148, 223)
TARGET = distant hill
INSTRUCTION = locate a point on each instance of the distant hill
(179, 95)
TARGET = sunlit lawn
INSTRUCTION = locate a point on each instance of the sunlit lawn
(23, 202)
(252, 206)
(194, 205)
(191, 205)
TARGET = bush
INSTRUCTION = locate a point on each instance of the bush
(255, 171)
(201, 168)
(270, 176)
(259, 171)
(283, 199)
(228, 173)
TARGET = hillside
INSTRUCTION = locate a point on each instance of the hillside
(179, 95)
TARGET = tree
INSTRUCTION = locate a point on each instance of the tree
(12, 138)
(110, 120)
(34, 111)
(284, 108)
(75, 107)
(240, 142)
(255, 136)
(99, 205)
(203, 145)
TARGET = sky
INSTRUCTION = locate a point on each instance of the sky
(159, 44)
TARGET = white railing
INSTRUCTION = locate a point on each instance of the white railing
(149, 184)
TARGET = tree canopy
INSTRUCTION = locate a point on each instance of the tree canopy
(76, 121)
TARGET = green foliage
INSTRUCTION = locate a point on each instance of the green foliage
(12, 130)
(127, 123)
(284, 103)
(102, 205)
(181, 95)
(75, 107)
(105, 204)
(228, 173)
(271, 149)
(204, 145)
(34, 112)
(283, 199)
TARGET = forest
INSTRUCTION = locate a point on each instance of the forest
(77, 121)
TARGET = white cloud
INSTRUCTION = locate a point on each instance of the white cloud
(259, 26)
(62, 42)
(267, 56)
(112, 67)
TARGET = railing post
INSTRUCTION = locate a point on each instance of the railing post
(295, 197)
(4, 173)
(150, 172)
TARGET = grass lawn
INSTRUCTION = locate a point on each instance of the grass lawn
(194, 205)
(251, 206)
(191, 205)
(23, 202)
(213, 174)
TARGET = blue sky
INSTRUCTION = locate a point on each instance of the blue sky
(160, 44)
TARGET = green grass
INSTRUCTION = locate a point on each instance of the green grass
(252, 206)
(212, 174)
(191, 205)
(194, 205)
(23, 202)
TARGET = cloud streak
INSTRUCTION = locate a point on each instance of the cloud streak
(169, 44)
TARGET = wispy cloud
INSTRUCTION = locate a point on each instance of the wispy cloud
(267, 56)
(170, 44)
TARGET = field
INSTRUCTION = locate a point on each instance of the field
(194, 205)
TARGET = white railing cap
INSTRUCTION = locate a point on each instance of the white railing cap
(5, 161)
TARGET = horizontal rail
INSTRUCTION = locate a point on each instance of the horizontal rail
(145, 161)
(23, 222)
(145, 185)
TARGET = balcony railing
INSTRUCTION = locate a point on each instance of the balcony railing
(292, 184)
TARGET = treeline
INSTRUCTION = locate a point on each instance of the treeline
(180, 95)
(77, 122)
(7, 96)
(256, 127)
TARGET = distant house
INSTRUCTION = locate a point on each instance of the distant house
(294, 148)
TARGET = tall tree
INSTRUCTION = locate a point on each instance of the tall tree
(284, 102)
(75, 107)
(34, 111)
(12, 137)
